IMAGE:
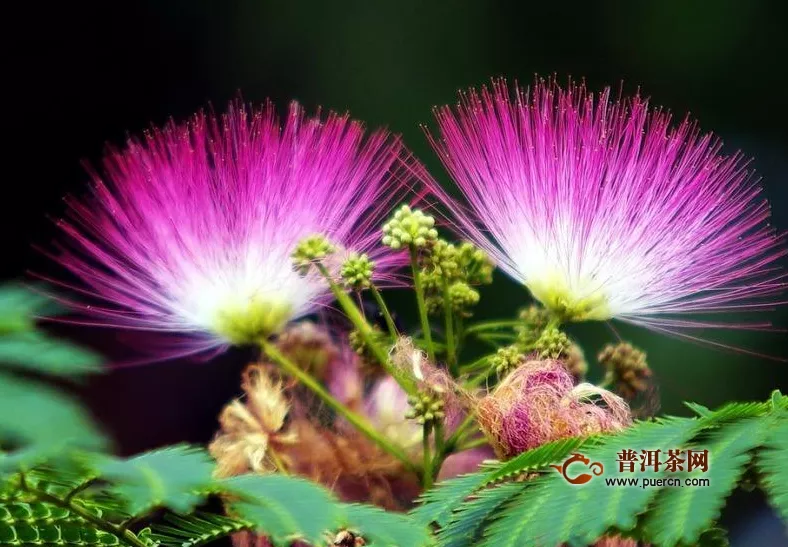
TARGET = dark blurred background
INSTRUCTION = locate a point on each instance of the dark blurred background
(81, 74)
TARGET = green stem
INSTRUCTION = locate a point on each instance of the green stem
(453, 440)
(475, 382)
(425, 323)
(426, 479)
(439, 437)
(126, 535)
(79, 489)
(354, 419)
(459, 329)
(451, 351)
(440, 449)
(384, 310)
(367, 333)
(479, 364)
(278, 463)
(481, 441)
(491, 325)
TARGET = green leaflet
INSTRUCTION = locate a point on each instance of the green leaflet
(37, 421)
(29, 414)
(19, 305)
(438, 503)
(380, 528)
(38, 352)
(468, 522)
(538, 458)
(771, 463)
(682, 514)
(550, 511)
(53, 534)
(177, 477)
(283, 507)
(195, 530)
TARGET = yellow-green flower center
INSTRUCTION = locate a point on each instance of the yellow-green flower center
(582, 303)
(258, 318)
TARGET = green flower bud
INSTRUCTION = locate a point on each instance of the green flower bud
(310, 250)
(463, 297)
(476, 266)
(358, 344)
(357, 271)
(506, 359)
(426, 407)
(409, 227)
(552, 344)
(442, 260)
(533, 321)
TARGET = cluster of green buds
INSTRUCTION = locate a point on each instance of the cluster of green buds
(534, 334)
(462, 297)
(359, 345)
(552, 344)
(310, 250)
(409, 227)
(426, 407)
(475, 264)
(627, 369)
(533, 321)
(356, 272)
(506, 359)
(455, 269)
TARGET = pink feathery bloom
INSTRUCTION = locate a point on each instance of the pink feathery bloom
(605, 209)
(191, 228)
(538, 403)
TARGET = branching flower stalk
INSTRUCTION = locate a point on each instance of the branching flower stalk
(316, 387)
(364, 328)
(384, 310)
(418, 287)
(427, 475)
(451, 349)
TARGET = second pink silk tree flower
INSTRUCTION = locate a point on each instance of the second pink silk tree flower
(191, 229)
(605, 209)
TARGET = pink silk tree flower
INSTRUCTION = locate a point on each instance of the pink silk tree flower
(190, 229)
(605, 209)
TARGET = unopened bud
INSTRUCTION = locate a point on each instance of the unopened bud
(357, 271)
(506, 359)
(552, 344)
(310, 250)
(409, 227)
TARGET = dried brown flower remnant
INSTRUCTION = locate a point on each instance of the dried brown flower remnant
(309, 346)
(351, 465)
(345, 538)
(615, 541)
(575, 362)
(250, 430)
(627, 369)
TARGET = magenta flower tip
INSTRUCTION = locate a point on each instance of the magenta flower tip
(190, 229)
(603, 208)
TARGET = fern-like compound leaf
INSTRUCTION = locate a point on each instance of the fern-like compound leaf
(683, 512)
(381, 528)
(550, 511)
